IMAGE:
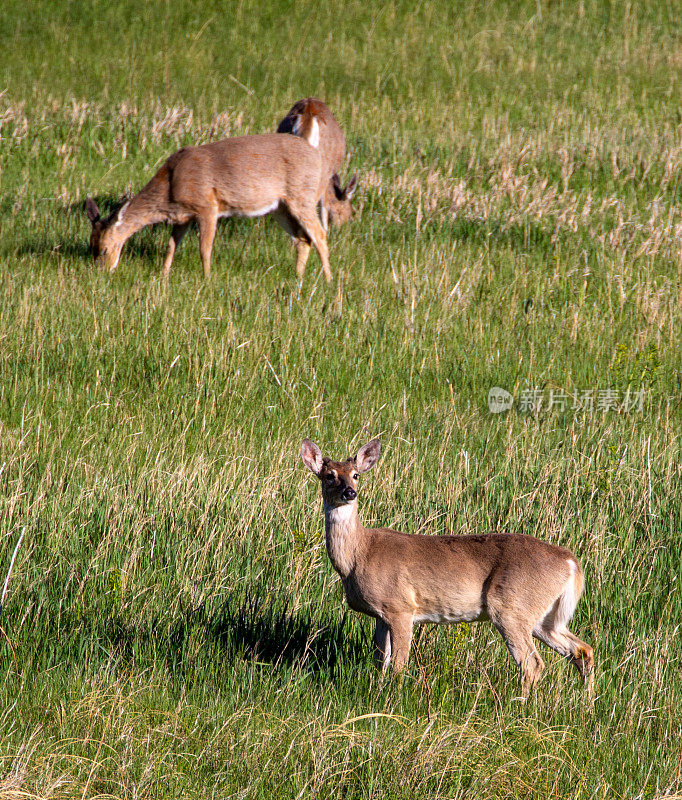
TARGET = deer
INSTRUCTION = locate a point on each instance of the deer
(245, 176)
(526, 587)
(312, 120)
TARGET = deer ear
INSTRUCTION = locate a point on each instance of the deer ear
(336, 185)
(312, 456)
(368, 456)
(352, 186)
(92, 210)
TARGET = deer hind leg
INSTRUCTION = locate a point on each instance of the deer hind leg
(382, 645)
(207, 227)
(519, 642)
(400, 632)
(177, 234)
(583, 660)
(579, 653)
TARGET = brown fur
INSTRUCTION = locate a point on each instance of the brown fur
(332, 146)
(526, 587)
(242, 176)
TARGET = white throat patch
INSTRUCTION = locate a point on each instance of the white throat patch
(338, 515)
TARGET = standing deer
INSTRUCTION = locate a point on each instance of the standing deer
(312, 120)
(527, 588)
(246, 176)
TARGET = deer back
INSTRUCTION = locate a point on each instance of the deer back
(449, 578)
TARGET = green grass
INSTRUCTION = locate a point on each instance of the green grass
(172, 626)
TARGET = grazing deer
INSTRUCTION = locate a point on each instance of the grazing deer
(527, 588)
(245, 176)
(312, 120)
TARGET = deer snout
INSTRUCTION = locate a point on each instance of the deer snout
(349, 494)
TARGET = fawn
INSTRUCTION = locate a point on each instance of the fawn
(247, 176)
(312, 120)
(527, 588)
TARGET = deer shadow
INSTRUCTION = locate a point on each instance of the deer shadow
(144, 244)
(148, 244)
(256, 629)
(43, 244)
(248, 627)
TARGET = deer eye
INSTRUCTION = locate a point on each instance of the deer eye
(329, 478)
(355, 476)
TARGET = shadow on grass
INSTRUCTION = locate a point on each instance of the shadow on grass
(257, 629)
(43, 244)
(248, 627)
(148, 244)
(144, 247)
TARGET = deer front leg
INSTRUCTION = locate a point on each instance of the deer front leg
(400, 631)
(177, 234)
(382, 645)
(302, 253)
(310, 222)
(291, 226)
(207, 226)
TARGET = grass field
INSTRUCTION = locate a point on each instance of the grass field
(172, 627)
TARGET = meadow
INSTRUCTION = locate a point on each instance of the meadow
(171, 625)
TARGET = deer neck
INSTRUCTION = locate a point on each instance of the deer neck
(137, 213)
(343, 536)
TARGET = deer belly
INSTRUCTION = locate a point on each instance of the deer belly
(250, 210)
(444, 616)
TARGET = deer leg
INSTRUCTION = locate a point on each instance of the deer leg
(382, 644)
(302, 253)
(310, 222)
(291, 226)
(583, 660)
(579, 653)
(400, 631)
(207, 227)
(177, 233)
(520, 644)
